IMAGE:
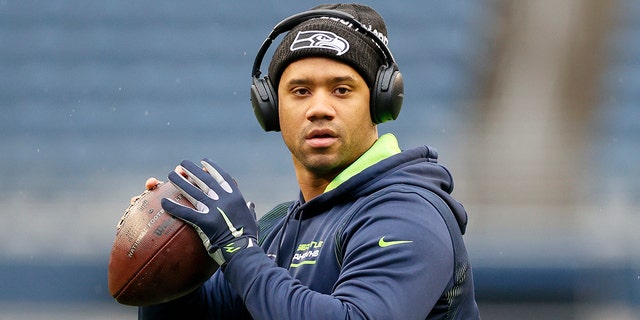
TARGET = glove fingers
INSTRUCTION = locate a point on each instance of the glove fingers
(188, 215)
(199, 177)
(252, 208)
(191, 192)
(179, 211)
(221, 177)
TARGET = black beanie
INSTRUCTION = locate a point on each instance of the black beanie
(335, 39)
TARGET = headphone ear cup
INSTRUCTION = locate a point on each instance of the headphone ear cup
(387, 94)
(265, 104)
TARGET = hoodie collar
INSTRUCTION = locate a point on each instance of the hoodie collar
(384, 147)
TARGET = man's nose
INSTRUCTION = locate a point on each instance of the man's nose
(321, 106)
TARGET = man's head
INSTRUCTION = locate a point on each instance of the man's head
(352, 34)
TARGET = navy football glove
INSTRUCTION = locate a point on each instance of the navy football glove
(222, 218)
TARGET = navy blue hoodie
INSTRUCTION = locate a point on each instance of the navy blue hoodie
(371, 248)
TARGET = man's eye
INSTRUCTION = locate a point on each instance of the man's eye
(300, 91)
(342, 90)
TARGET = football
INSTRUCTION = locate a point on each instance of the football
(155, 257)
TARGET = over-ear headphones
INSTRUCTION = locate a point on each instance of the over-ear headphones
(386, 95)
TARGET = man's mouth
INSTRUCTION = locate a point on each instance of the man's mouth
(321, 138)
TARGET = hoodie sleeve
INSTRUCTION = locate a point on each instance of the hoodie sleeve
(397, 259)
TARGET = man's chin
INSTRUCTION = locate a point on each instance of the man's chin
(323, 165)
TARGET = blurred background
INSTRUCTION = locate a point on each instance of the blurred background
(532, 105)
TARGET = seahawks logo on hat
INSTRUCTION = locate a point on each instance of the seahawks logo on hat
(320, 40)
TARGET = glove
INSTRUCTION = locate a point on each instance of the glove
(222, 218)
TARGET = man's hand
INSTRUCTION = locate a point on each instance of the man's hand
(222, 218)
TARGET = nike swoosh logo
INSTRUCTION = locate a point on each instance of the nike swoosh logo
(234, 232)
(384, 244)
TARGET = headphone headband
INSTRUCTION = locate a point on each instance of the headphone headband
(296, 19)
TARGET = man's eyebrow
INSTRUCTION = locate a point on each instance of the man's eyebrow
(343, 79)
(301, 81)
(305, 81)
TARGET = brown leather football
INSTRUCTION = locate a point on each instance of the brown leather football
(155, 257)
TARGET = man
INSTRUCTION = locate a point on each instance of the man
(370, 236)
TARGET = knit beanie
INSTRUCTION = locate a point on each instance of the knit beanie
(335, 39)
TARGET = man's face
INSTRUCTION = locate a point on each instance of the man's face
(324, 115)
